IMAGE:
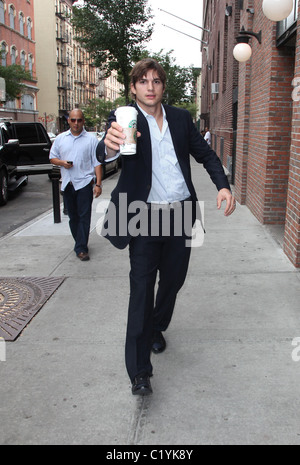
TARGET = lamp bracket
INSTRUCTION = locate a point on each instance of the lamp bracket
(244, 35)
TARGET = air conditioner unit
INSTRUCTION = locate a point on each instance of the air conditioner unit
(215, 88)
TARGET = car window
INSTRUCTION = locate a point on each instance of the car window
(4, 136)
(41, 134)
(26, 134)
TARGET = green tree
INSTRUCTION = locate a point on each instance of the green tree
(97, 111)
(114, 33)
(14, 75)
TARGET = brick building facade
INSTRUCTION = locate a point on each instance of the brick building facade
(254, 118)
(17, 46)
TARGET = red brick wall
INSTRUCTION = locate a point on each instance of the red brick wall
(13, 37)
(220, 67)
(267, 168)
(21, 42)
(264, 164)
(292, 228)
(244, 101)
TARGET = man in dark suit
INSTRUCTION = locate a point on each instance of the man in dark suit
(158, 176)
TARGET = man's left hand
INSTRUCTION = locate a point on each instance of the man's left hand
(226, 195)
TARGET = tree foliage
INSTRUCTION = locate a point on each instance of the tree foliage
(14, 75)
(96, 112)
(114, 32)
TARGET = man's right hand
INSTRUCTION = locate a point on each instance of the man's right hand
(114, 137)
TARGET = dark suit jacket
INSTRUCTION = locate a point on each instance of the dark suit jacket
(136, 175)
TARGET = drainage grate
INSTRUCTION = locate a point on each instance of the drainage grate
(20, 300)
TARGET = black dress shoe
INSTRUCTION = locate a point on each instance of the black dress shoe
(158, 343)
(141, 385)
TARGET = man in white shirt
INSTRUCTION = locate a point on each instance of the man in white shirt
(75, 152)
(207, 136)
(158, 175)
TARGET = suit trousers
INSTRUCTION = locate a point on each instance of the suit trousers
(79, 206)
(166, 255)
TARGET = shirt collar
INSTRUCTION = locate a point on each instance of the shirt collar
(147, 114)
(83, 133)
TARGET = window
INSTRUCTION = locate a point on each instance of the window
(2, 17)
(23, 59)
(21, 22)
(27, 102)
(13, 55)
(3, 54)
(29, 28)
(30, 65)
(42, 135)
(12, 17)
(5, 136)
(26, 134)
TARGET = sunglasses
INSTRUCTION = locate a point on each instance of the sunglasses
(74, 120)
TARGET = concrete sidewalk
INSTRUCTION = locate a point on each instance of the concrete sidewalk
(227, 376)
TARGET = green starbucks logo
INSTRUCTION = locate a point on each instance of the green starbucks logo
(133, 124)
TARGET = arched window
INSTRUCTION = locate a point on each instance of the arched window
(23, 59)
(21, 23)
(29, 28)
(13, 55)
(12, 12)
(30, 64)
(2, 17)
(3, 54)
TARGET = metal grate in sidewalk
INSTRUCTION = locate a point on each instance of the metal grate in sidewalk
(20, 300)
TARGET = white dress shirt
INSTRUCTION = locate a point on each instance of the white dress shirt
(81, 150)
(168, 183)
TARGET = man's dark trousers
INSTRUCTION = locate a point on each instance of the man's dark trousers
(149, 255)
(79, 206)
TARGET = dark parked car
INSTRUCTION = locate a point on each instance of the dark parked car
(109, 166)
(24, 151)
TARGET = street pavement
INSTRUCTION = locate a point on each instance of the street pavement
(230, 374)
(26, 203)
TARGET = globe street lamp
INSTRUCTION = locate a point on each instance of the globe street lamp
(242, 51)
(277, 10)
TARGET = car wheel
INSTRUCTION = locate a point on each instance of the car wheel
(3, 188)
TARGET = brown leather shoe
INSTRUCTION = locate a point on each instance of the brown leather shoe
(83, 256)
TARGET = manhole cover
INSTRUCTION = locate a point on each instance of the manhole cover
(20, 300)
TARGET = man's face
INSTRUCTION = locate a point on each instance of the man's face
(76, 122)
(149, 90)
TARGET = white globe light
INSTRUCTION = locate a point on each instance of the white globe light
(242, 52)
(277, 10)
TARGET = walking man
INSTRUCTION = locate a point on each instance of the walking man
(158, 175)
(207, 136)
(75, 152)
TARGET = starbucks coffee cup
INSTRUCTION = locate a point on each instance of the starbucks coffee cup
(127, 118)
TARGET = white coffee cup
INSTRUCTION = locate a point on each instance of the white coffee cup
(127, 118)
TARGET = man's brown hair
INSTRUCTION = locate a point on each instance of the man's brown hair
(141, 69)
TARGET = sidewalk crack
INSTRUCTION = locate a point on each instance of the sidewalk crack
(138, 422)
